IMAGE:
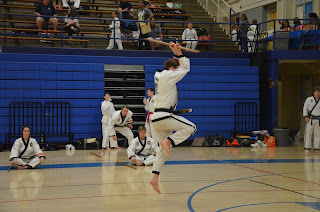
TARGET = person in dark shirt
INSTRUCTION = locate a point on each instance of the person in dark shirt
(125, 9)
(46, 8)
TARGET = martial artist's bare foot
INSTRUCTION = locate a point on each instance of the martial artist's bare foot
(102, 153)
(22, 167)
(154, 182)
(317, 151)
(166, 145)
(139, 163)
(108, 148)
(306, 151)
(117, 147)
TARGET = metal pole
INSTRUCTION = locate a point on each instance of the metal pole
(230, 20)
(114, 34)
(274, 34)
(5, 30)
(61, 33)
(314, 35)
(211, 37)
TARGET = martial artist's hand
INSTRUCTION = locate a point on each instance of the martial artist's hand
(115, 138)
(306, 119)
(15, 161)
(42, 160)
(130, 126)
(175, 48)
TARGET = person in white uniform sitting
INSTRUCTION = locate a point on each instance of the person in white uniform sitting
(142, 149)
(25, 152)
(190, 36)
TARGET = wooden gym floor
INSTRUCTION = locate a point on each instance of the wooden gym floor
(195, 179)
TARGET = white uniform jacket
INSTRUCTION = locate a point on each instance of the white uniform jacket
(150, 106)
(76, 3)
(311, 107)
(25, 149)
(189, 34)
(115, 26)
(166, 89)
(107, 110)
(142, 147)
(118, 121)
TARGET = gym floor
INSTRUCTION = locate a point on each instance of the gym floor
(195, 179)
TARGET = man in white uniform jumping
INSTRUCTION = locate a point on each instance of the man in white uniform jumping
(311, 114)
(164, 121)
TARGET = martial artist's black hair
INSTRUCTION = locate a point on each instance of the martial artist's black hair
(150, 89)
(317, 89)
(26, 126)
(125, 106)
(106, 92)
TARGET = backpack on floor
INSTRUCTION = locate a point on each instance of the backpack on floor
(213, 141)
(201, 31)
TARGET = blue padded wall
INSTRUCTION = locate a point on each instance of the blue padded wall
(212, 91)
(80, 84)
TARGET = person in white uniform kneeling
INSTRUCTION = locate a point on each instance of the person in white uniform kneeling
(142, 150)
(311, 114)
(121, 121)
(25, 152)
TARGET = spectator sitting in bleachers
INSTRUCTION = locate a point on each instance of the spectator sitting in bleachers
(46, 8)
(285, 25)
(71, 21)
(125, 10)
(74, 3)
(155, 34)
(296, 22)
(190, 36)
(312, 21)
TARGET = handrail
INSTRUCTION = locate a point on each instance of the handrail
(221, 9)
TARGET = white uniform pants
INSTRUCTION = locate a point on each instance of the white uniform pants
(104, 134)
(163, 130)
(191, 44)
(147, 160)
(125, 131)
(30, 162)
(118, 41)
(315, 129)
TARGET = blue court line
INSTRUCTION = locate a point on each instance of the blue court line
(183, 162)
(314, 205)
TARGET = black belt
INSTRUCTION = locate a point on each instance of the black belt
(314, 117)
(163, 110)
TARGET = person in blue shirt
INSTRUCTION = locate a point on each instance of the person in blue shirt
(46, 8)
(296, 22)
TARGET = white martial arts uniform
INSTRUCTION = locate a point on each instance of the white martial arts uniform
(250, 34)
(27, 152)
(115, 33)
(107, 110)
(311, 109)
(149, 107)
(143, 150)
(120, 124)
(163, 120)
(190, 35)
(76, 3)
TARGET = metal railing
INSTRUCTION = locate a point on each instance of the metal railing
(60, 34)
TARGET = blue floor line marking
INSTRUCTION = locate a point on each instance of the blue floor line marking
(184, 162)
(314, 205)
